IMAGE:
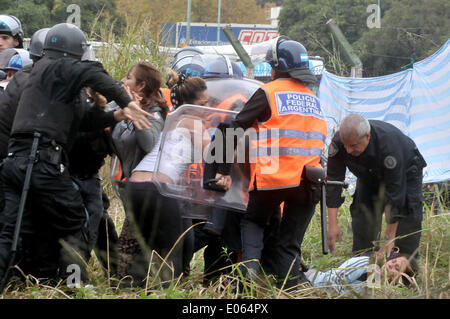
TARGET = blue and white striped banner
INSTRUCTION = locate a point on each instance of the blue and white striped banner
(417, 101)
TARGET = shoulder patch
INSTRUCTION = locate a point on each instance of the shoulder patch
(390, 162)
(332, 149)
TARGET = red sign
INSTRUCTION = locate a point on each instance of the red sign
(256, 36)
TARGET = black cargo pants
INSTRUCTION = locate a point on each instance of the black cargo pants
(102, 235)
(367, 215)
(54, 211)
(284, 255)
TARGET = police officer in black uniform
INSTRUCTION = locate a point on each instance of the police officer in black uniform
(388, 167)
(86, 157)
(47, 115)
(10, 99)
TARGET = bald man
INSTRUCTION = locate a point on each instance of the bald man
(388, 167)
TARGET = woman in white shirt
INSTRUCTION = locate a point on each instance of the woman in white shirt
(159, 218)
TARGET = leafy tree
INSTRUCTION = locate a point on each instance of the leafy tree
(410, 31)
(305, 21)
(155, 12)
(89, 11)
(232, 11)
(263, 3)
(31, 15)
(37, 14)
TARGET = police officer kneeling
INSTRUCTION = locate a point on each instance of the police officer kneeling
(47, 118)
(388, 167)
(290, 134)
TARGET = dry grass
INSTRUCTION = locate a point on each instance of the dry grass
(433, 281)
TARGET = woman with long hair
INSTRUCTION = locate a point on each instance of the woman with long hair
(142, 83)
(366, 270)
(183, 90)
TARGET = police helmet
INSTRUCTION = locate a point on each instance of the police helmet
(187, 51)
(191, 69)
(11, 25)
(65, 39)
(286, 55)
(5, 56)
(19, 60)
(37, 43)
(192, 65)
(222, 67)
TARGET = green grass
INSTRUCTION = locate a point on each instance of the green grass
(433, 281)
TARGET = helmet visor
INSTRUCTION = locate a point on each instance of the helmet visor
(265, 51)
(9, 24)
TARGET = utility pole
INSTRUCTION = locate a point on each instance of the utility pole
(379, 10)
(188, 28)
(347, 50)
(219, 4)
(243, 55)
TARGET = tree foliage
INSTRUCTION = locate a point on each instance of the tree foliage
(305, 21)
(161, 11)
(408, 29)
(37, 14)
(263, 3)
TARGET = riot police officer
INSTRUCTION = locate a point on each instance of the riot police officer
(9, 99)
(11, 33)
(388, 167)
(86, 157)
(36, 47)
(17, 62)
(45, 122)
(284, 113)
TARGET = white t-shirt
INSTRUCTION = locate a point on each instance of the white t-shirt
(147, 164)
(176, 155)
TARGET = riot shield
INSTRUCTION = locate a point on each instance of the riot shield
(230, 94)
(190, 142)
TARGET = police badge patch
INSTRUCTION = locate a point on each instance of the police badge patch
(390, 162)
(332, 149)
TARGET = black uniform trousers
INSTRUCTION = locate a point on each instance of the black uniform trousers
(158, 225)
(54, 211)
(222, 241)
(367, 213)
(283, 257)
(102, 235)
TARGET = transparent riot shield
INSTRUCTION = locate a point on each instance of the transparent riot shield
(230, 94)
(189, 138)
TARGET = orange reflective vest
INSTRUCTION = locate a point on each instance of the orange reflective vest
(291, 138)
(228, 103)
(166, 93)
